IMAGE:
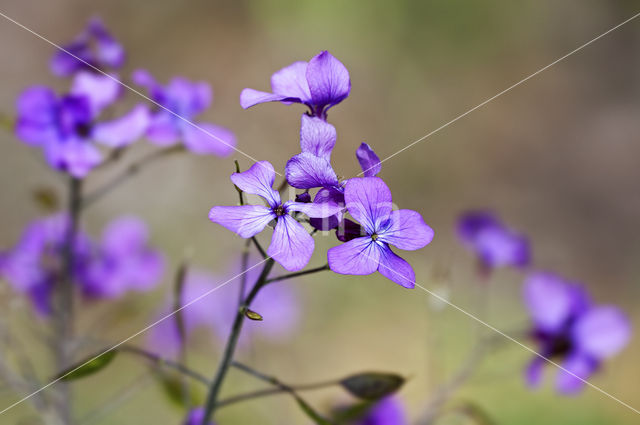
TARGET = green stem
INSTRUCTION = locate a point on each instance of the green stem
(161, 361)
(302, 273)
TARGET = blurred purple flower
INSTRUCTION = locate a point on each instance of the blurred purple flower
(493, 243)
(65, 127)
(186, 100)
(387, 411)
(215, 310)
(123, 261)
(368, 200)
(291, 244)
(567, 326)
(35, 263)
(95, 46)
(195, 417)
(320, 84)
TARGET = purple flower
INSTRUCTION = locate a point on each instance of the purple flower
(319, 84)
(34, 266)
(123, 261)
(493, 243)
(65, 126)
(215, 310)
(186, 100)
(571, 330)
(94, 46)
(368, 200)
(195, 417)
(291, 245)
(387, 411)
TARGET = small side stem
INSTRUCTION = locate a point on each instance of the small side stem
(161, 361)
(296, 274)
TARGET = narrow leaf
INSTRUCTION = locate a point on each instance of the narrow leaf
(311, 413)
(372, 385)
(85, 368)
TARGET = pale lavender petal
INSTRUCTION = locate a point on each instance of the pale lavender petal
(549, 300)
(407, 230)
(251, 97)
(291, 81)
(258, 180)
(359, 256)
(307, 171)
(124, 130)
(369, 161)
(602, 332)
(209, 139)
(125, 236)
(312, 209)
(395, 268)
(143, 78)
(580, 368)
(36, 116)
(187, 98)
(328, 80)
(317, 137)
(164, 129)
(77, 157)
(368, 200)
(245, 220)
(291, 245)
(101, 90)
(109, 51)
(498, 247)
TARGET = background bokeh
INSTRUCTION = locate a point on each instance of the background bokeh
(557, 157)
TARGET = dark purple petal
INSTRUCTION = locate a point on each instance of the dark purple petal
(317, 137)
(348, 230)
(64, 64)
(303, 197)
(291, 245)
(387, 411)
(209, 139)
(369, 161)
(580, 368)
(368, 200)
(258, 180)
(328, 80)
(395, 268)
(602, 332)
(99, 89)
(549, 300)
(245, 220)
(291, 81)
(36, 116)
(407, 230)
(312, 209)
(124, 130)
(307, 171)
(472, 222)
(251, 97)
(359, 256)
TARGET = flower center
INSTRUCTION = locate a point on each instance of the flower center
(279, 211)
(374, 237)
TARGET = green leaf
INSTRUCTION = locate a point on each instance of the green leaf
(372, 385)
(253, 315)
(90, 367)
(311, 413)
(177, 392)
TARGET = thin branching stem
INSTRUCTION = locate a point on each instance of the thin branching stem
(296, 274)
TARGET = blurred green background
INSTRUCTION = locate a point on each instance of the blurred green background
(557, 157)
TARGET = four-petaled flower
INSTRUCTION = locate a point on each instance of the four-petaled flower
(291, 245)
(493, 243)
(320, 84)
(567, 326)
(368, 200)
(185, 100)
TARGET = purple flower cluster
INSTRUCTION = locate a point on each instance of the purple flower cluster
(570, 329)
(122, 261)
(72, 127)
(320, 84)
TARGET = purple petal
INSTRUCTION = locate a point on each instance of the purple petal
(472, 222)
(369, 161)
(187, 98)
(143, 78)
(164, 129)
(64, 64)
(195, 417)
(549, 300)
(317, 137)
(36, 120)
(313, 210)
(251, 97)
(407, 230)
(307, 171)
(291, 245)
(328, 80)
(124, 130)
(498, 247)
(387, 411)
(368, 200)
(109, 51)
(125, 236)
(209, 139)
(395, 268)
(77, 157)
(348, 230)
(245, 220)
(291, 81)
(100, 89)
(258, 180)
(359, 256)
(602, 332)
(580, 368)
(533, 372)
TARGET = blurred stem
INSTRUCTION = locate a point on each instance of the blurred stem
(130, 171)
(232, 342)
(161, 361)
(302, 273)
(64, 316)
(259, 247)
(180, 325)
